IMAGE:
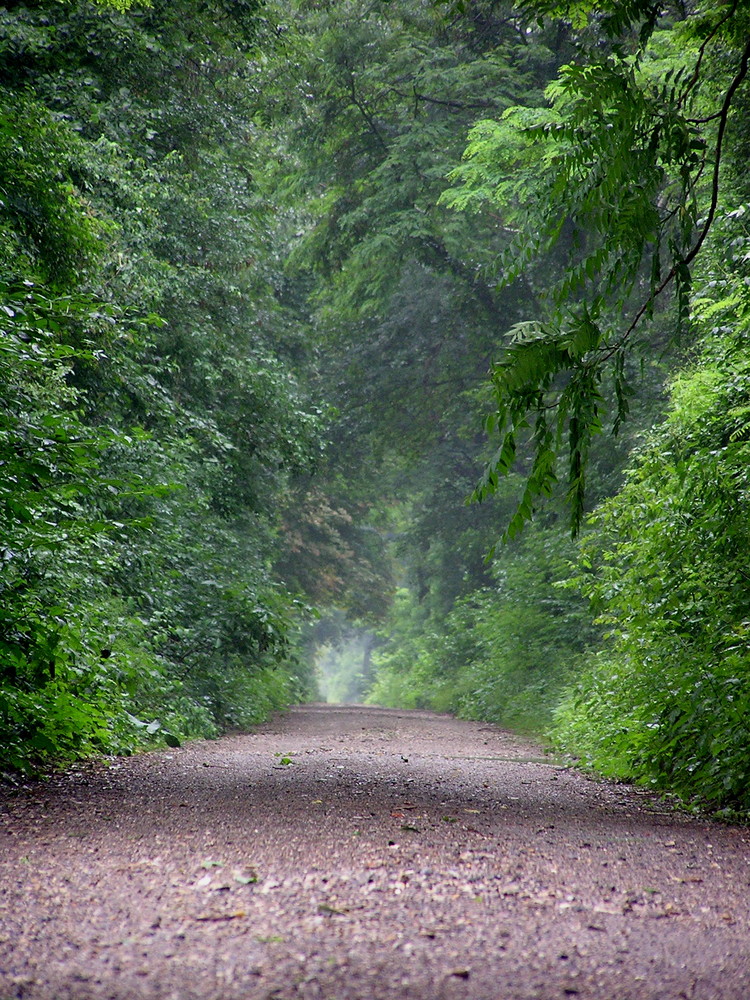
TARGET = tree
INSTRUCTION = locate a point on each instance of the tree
(619, 174)
(154, 411)
(397, 287)
(382, 101)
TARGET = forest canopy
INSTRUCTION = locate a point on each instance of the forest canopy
(284, 284)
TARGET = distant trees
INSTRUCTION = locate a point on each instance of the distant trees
(381, 101)
(411, 317)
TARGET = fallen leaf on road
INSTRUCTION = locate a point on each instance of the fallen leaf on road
(247, 877)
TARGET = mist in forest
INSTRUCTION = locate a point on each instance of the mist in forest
(343, 669)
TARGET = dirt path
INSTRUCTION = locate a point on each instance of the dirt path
(398, 855)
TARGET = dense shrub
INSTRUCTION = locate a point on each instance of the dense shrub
(503, 653)
(668, 699)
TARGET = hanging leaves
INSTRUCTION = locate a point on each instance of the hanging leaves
(618, 178)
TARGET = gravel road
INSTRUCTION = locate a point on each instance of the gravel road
(348, 853)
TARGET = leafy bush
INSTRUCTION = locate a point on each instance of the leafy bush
(668, 700)
(149, 417)
(503, 654)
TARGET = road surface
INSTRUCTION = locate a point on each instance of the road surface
(348, 853)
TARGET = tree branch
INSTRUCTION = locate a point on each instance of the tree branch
(365, 113)
(723, 116)
(458, 105)
(702, 51)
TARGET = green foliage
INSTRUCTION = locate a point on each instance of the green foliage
(151, 413)
(333, 556)
(43, 220)
(667, 700)
(379, 98)
(396, 89)
(503, 653)
(618, 176)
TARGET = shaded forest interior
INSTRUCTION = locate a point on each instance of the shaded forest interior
(284, 285)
